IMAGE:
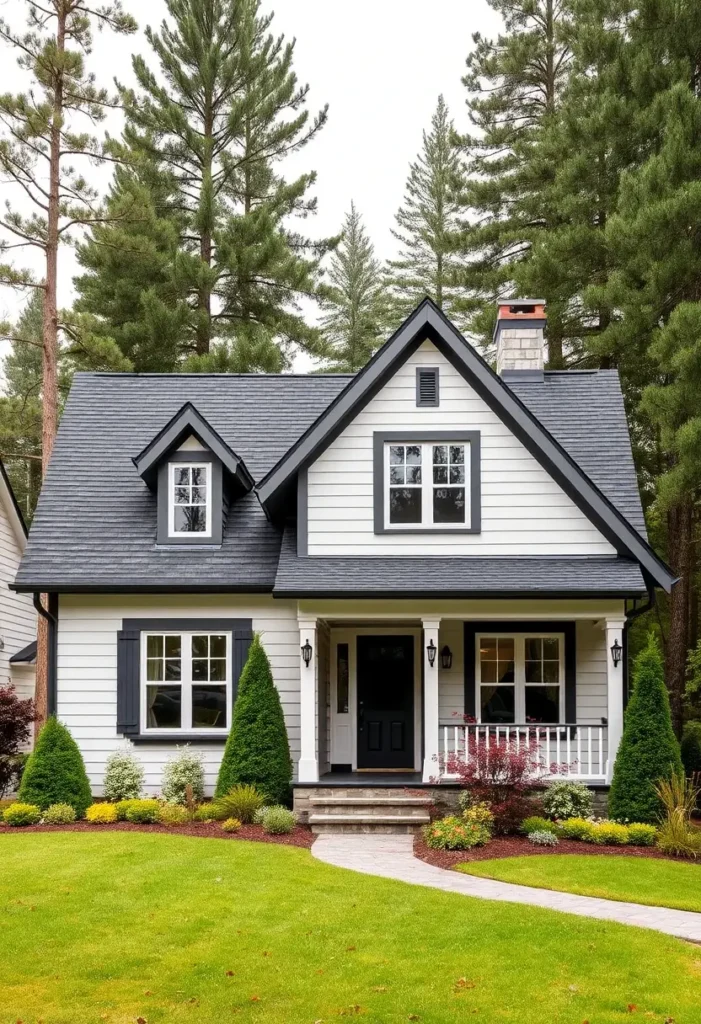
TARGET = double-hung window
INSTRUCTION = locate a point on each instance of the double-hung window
(427, 484)
(520, 678)
(189, 499)
(186, 682)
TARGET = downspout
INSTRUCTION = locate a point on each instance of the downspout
(630, 616)
(51, 616)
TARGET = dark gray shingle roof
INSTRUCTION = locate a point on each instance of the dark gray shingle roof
(456, 577)
(95, 523)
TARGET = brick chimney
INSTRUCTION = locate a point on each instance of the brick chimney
(520, 339)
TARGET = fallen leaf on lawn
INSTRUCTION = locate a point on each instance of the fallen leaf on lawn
(255, 999)
(148, 993)
(669, 1020)
(351, 1011)
(265, 953)
(320, 971)
(350, 949)
(462, 983)
(631, 1008)
(574, 988)
(380, 988)
(229, 974)
(140, 1020)
(413, 1016)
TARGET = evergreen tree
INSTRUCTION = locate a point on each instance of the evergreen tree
(55, 772)
(355, 308)
(224, 273)
(515, 83)
(257, 751)
(426, 224)
(649, 750)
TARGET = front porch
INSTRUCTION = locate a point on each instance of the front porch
(390, 693)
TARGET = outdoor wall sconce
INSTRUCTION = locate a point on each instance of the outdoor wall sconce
(446, 657)
(616, 652)
(307, 653)
(431, 650)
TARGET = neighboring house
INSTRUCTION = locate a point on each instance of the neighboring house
(18, 618)
(424, 540)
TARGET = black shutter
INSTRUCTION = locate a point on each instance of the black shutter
(241, 641)
(128, 681)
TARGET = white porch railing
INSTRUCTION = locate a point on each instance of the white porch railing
(563, 751)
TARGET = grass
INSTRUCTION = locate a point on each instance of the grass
(656, 883)
(127, 928)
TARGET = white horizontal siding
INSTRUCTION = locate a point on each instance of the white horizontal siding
(524, 512)
(87, 671)
(17, 614)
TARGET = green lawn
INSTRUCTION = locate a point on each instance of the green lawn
(131, 927)
(657, 883)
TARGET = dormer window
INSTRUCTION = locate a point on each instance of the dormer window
(190, 499)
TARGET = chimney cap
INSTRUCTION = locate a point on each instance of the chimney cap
(504, 300)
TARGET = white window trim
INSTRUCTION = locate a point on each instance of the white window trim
(172, 532)
(427, 486)
(186, 683)
(519, 673)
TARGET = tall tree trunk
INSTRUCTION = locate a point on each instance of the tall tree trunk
(679, 539)
(49, 385)
(204, 297)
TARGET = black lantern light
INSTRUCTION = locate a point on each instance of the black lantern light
(616, 652)
(431, 652)
(307, 653)
(446, 656)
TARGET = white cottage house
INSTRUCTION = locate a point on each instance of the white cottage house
(419, 542)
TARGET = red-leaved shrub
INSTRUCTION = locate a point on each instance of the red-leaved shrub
(16, 716)
(502, 773)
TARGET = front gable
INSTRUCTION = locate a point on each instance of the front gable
(603, 527)
(514, 506)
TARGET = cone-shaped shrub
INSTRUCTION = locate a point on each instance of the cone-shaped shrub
(55, 773)
(257, 750)
(649, 750)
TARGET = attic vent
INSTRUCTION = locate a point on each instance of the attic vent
(427, 386)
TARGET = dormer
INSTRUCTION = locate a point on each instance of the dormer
(195, 475)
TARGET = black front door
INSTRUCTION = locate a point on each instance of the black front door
(385, 673)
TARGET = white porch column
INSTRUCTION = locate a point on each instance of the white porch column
(308, 768)
(614, 633)
(430, 635)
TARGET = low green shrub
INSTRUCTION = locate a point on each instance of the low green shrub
(173, 814)
(543, 837)
(242, 802)
(102, 813)
(610, 833)
(479, 817)
(641, 834)
(563, 799)
(185, 769)
(454, 833)
(210, 811)
(279, 820)
(59, 814)
(231, 825)
(141, 812)
(538, 824)
(260, 815)
(122, 806)
(576, 828)
(20, 815)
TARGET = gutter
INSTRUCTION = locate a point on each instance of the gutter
(631, 615)
(51, 617)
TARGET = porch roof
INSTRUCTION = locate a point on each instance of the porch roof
(455, 576)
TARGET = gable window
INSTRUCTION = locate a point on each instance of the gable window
(185, 681)
(189, 499)
(520, 678)
(426, 484)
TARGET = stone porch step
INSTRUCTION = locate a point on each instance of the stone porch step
(387, 823)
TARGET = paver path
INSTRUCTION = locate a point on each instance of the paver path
(391, 856)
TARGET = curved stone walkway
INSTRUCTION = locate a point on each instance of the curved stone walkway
(391, 856)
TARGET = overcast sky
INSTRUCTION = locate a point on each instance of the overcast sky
(379, 64)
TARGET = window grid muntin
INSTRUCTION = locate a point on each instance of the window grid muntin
(187, 682)
(520, 686)
(191, 490)
(392, 482)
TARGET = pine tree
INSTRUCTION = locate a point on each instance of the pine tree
(649, 750)
(55, 772)
(515, 83)
(206, 129)
(426, 224)
(355, 309)
(257, 751)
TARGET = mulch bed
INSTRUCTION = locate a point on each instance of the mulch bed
(300, 836)
(518, 846)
